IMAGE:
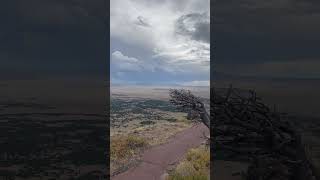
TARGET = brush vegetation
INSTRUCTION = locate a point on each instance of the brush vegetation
(126, 146)
(195, 166)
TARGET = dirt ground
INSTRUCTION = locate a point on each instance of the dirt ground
(157, 159)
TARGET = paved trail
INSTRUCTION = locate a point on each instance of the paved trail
(156, 160)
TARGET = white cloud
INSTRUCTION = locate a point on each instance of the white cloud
(153, 25)
(120, 57)
(125, 63)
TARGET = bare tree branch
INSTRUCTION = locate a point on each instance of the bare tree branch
(186, 101)
(245, 127)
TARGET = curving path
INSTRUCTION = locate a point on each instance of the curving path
(156, 160)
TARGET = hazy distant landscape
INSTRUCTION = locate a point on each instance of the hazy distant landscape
(145, 112)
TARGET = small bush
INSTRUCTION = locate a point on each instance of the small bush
(147, 122)
(196, 166)
(126, 146)
(171, 120)
(191, 177)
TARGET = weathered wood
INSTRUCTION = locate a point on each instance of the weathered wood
(244, 125)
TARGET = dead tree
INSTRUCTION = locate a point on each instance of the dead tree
(186, 101)
(248, 130)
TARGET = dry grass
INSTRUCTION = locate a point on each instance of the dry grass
(128, 141)
(125, 146)
(195, 166)
(124, 151)
(156, 133)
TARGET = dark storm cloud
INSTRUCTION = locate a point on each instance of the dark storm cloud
(260, 31)
(53, 35)
(195, 25)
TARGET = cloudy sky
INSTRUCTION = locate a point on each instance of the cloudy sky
(56, 38)
(275, 38)
(160, 41)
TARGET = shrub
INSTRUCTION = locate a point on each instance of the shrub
(126, 146)
(195, 166)
(191, 177)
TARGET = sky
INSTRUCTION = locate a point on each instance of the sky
(269, 39)
(53, 38)
(160, 42)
